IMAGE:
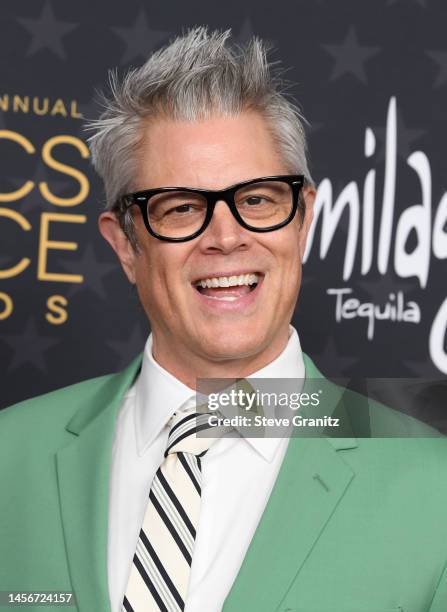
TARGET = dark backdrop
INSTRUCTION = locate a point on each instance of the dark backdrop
(371, 77)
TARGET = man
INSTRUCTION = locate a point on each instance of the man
(209, 204)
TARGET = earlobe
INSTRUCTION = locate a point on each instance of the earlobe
(111, 231)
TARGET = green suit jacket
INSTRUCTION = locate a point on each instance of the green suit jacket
(352, 524)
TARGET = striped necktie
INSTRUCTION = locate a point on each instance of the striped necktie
(161, 565)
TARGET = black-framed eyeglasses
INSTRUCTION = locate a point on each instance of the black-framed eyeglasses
(178, 214)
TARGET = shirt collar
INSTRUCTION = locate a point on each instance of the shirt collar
(159, 394)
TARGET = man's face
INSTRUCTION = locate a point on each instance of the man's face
(238, 322)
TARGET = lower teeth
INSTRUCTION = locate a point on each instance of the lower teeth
(227, 298)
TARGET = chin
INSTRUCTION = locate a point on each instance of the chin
(233, 344)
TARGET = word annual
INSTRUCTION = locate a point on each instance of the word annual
(39, 106)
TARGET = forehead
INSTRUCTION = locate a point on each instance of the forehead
(211, 153)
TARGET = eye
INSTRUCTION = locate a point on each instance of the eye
(254, 200)
(181, 208)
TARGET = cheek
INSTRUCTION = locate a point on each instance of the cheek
(286, 251)
(146, 275)
(289, 267)
(159, 274)
(293, 250)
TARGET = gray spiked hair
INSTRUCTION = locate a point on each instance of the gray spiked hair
(197, 75)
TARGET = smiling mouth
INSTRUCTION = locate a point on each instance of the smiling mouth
(228, 288)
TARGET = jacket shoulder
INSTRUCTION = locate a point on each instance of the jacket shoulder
(49, 409)
(85, 398)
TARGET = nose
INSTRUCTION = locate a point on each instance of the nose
(224, 233)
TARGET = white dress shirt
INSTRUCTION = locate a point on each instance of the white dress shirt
(238, 475)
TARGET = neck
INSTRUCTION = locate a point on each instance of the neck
(188, 367)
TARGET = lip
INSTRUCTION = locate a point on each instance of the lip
(239, 305)
(232, 273)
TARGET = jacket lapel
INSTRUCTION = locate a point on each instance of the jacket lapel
(311, 483)
(83, 470)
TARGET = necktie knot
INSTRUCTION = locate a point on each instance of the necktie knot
(185, 433)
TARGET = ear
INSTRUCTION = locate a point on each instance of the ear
(309, 194)
(111, 230)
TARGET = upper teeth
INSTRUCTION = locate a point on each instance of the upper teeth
(229, 281)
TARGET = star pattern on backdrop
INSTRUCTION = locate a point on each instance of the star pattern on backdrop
(140, 39)
(29, 347)
(131, 344)
(35, 200)
(350, 57)
(440, 58)
(330, 355)
(92, 269)
(47, 32)
(406, 137)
